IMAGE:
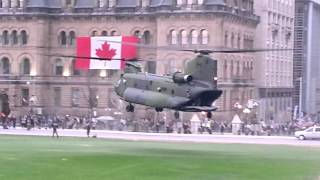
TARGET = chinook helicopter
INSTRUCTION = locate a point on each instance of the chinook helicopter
(193, 90)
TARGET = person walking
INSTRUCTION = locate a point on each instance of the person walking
(55, 127)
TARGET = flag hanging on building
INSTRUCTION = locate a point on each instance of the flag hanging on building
(112, 48)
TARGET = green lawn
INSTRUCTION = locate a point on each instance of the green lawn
(43, 158)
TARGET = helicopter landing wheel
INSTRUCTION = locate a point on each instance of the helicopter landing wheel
(130, 108)
(158, 109)
(209, 115)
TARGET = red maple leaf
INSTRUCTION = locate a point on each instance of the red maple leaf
(105, 51)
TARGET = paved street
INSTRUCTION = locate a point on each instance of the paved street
(197, 138)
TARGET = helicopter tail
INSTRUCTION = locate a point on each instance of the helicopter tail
(202, 68)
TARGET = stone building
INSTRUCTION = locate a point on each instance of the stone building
(30, 30)
(274, 69)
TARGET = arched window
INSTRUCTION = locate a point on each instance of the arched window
(25, 66)
(72, 38)
(5, 66)
(204, 36)
(75, 71)
(9, 4)
(239, 41)
(146, 37)
(94, 33)
(232, 40)
(137, 34)
(194, 37)
(184, 37)
(226, 39)
(24, 37)
(5, 36)
(225, 69)
(63, 38)
(1, 4)
(104, 33)
(14, 37)
(58, 69)
(173, 37)
(113, 33)
(231, 69)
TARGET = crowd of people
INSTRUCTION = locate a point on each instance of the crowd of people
(144, 125)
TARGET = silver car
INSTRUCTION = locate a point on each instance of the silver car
(310, 133)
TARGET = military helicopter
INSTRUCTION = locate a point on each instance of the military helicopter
(190, 91)
(193, 90)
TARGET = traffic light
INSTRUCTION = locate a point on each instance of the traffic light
(4, 103)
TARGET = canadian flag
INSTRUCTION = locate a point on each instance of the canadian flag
(111, 48)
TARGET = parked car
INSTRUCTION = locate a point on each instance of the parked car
(310, 133)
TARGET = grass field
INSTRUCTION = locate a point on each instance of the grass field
(43, 158)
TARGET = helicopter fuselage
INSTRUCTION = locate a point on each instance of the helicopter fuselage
(162, 92)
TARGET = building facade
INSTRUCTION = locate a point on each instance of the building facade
(274, 70)
(33, 31)
(306, 97)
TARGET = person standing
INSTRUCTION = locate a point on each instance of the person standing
(55, 127)
(89, 124)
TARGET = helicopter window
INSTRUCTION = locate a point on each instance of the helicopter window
(5, 66)
(24, 37)
(63, 38)
(194, 37)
